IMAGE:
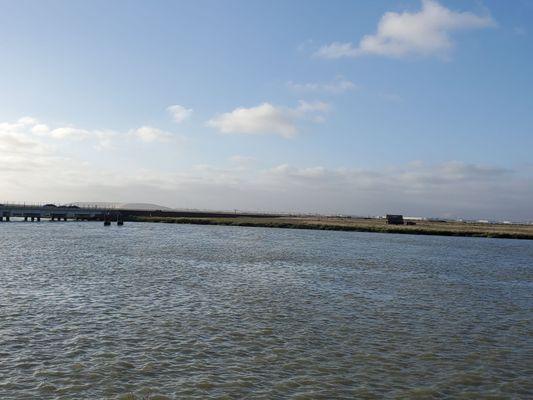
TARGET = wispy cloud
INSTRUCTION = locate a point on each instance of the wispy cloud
(268, 119)
(424, 33)
(241, 160)
(149, 134)
(520, 31)
(179, 113)
(339, 85)
(392, 97)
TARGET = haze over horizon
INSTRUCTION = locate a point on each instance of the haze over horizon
(414, 107)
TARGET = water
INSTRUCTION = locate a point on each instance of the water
(201, 312)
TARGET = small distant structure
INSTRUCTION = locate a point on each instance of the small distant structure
(393, 219)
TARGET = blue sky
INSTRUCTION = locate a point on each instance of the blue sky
(420, 107)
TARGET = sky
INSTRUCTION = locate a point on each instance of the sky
(422, 108)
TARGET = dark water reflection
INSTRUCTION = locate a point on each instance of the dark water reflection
(218, 312)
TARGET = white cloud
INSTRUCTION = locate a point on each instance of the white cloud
(69, 132)
(179, 113)
(39, 163)
(337, 50)
(314, 106)
(32, 129)
(414, 189)
(426, 32)
(340, 85)
(13, 142)
(105, 138)
(242, 160)
(149, 134)
(17, 138)
(27, 121)
(31, 170)
(29, 131)
(40, 129)
(263, 119)
(267, 119)
(34, 167)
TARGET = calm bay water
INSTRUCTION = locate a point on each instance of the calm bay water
(178, 311)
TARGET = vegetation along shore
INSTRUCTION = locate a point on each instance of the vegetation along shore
(442, 228)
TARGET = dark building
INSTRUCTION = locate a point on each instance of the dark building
(394, 219)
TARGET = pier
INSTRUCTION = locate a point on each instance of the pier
(53, 212)
(61, 213)
(36, 213)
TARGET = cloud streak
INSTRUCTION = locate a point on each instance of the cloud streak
(149, 134)
(338, 86)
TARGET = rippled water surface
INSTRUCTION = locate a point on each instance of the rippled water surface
(178, 311)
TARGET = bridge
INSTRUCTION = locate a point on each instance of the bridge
(54, 213)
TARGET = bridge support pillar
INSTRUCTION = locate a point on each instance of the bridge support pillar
(8, 218)
(38, 219)
(1, 218)
(65, 219)
(32, 219)
(25, 219)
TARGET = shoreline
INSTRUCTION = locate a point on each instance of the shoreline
(499, 231)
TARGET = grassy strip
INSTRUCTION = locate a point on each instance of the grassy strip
(297, 224)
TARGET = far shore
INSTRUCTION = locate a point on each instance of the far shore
(440, 228)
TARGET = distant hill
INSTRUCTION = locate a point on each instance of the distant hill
(125, 206)
(143, 206)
